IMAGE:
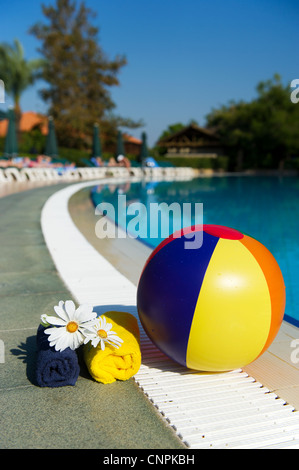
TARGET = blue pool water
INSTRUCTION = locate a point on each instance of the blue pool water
(267, 208)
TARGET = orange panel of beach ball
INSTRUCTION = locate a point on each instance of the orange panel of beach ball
(213, 308)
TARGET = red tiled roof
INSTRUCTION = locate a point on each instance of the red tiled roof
(28, 121)
(131, 139)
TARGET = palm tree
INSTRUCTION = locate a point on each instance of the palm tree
(17, 72)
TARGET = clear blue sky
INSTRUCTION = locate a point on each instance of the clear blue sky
(185, 57)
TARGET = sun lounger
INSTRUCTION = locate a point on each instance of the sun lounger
(135, 171)
(118, 171)
(13, 174)
(3, 177)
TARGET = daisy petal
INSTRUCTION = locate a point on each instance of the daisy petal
(54, 320)
(95, 342)
(44, 319)
(76, 340)
(59, 310)
(108, 326)
(90, 326)
(114, 343)
(70, 308)
(85, 313)
(62, 343)
(112, 333)
(115, 339)
(54, 333)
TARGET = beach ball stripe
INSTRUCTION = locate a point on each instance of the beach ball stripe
(228, 334)
(213, 321)
(275, 282)
(173, 291)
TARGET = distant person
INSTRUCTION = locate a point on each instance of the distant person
(112, 162)
(17, 162)
(26, 162)
(43, 161)
(123, 161)
(97, 161)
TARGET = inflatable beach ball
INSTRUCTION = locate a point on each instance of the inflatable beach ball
(213, 308)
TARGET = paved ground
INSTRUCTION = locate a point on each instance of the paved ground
(89, 415)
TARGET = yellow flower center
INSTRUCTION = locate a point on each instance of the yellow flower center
(102, 334)
(72, 327)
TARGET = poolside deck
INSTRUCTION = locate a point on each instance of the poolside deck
(82, 417)
(240, 409)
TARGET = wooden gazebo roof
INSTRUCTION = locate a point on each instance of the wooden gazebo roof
(191, 136)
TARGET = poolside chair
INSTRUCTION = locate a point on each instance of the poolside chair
(3, 177)
(88, 163)
(148, 171)
(40, 174)
(100, 172)
(169, 171)
(29, 174)
(49, 174)
(118, 172)
(13, 174)
(136, 171)
(8, 176)
(86, 173)
(72, 174)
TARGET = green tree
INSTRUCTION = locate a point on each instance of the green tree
(78, 73)
(262, 133)
(17, 73)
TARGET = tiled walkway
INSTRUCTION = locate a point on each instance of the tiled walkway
(72, 417)
(89, 415)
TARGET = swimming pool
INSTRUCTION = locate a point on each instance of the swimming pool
(267, 208)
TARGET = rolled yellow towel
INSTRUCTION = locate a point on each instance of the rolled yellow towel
(113, 363)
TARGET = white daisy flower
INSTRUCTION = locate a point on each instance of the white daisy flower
(101, 333)
(67, 330)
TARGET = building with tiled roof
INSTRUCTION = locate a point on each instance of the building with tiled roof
(193, 142)
(29, 120)
(132, 144)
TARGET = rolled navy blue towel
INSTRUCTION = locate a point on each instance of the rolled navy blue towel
(54, 368)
